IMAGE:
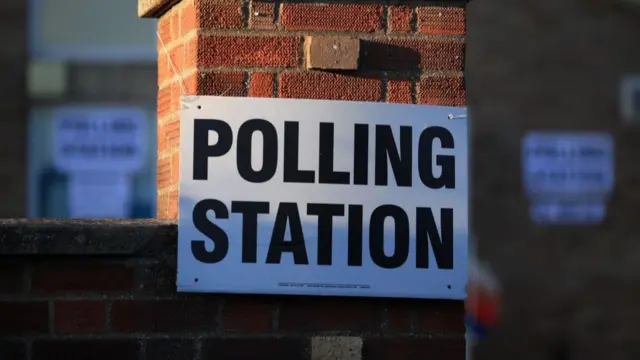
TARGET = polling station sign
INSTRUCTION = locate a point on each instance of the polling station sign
(283, 196)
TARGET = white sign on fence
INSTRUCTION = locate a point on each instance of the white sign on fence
(568, 176)
(99, 139)
(282, 196)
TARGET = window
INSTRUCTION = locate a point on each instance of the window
(90, 30)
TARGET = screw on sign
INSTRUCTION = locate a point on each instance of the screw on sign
(483, 300)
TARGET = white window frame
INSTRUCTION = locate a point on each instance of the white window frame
(98, 53)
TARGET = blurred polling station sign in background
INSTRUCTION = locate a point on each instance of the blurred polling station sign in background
(99, 149)
(568, 177)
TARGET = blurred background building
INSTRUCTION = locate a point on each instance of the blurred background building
(61, 53)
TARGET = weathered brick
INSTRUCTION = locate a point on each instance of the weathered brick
(312, 85)
(164, 315)
(330, 314)
(442, 90)
(261, 84)
(79, 316)
(332, 17)
(247, 314)
(413, 54)
(71, 349)
(262, 15)
(268, 51)
(207, 14)
(81, 276)
(217, 83)
(256, 348)
(412, 348)
(442, 20)
(20, 318)
(400, 19)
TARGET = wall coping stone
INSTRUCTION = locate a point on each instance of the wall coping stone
(86, 237)
(154, 8)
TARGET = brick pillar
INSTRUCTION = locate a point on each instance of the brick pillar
(408, 54)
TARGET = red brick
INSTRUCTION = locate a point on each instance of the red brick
(165, 73)
(262, 15)
(426, 316)
(332, 17)
(164, 102)
(399, 317)
(330, 314)
(315, 85)
(436, 20)
(227, 50)
(176, 94)
(177, 59)
(82, 276)
(165, 315)
(412, 54)
(158, 279)
(256, 348)
(164, 31)
(247, 314)
(11, 278)
(171, 131)
(217, 83)
(442, 90)
(162, 206)
(79, 316)
(399, 91)
(75, 349)
(21, 318)
(163, 172)
(413, 348)
(439, 316)
(174, 196)
(175, 168)
(261, 84)
(400, 18)
(175, 24)
(204, 14)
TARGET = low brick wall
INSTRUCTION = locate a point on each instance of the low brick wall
(106, 290)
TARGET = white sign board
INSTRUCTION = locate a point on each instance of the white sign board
(101, 139)
(568, 176)
(281, 196)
